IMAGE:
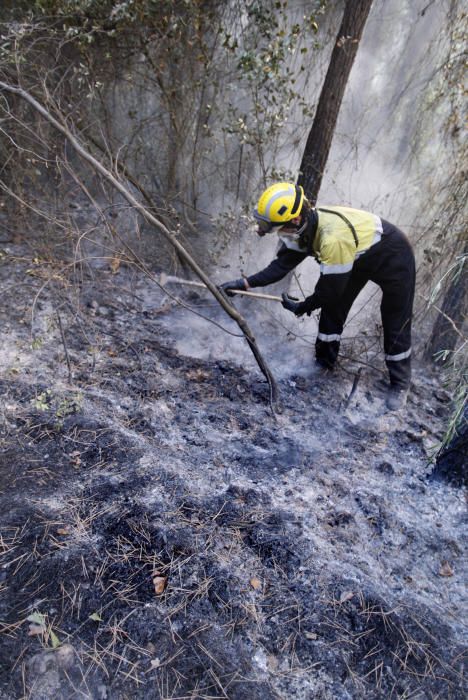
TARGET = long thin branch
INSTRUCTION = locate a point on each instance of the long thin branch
(447, 318)
(107, 174)
(67, 356)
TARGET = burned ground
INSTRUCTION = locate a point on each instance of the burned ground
(164, 536)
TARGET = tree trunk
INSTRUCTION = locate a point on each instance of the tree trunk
(320, 136)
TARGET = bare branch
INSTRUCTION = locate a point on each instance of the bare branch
(124, 191)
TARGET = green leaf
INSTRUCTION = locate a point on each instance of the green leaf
(96, 617)
(36, 617)
(54, 639)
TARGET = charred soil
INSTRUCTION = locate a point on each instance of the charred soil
(164, 536)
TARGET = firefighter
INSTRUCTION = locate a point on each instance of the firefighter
(352, 247)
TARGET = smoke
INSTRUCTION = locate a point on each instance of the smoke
(382, 159)
(386, 143)
(388, 137)
(285, 342)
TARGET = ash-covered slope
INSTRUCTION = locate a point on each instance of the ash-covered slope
(163, 536)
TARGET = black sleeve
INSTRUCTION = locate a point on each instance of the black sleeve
(328, 290)
(285, 261)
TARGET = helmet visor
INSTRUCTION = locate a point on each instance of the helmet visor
(264, 225)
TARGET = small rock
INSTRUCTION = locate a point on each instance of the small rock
(65, 656)
(62, 657)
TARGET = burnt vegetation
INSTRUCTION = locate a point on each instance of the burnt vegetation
(163, 533)
(155, 542)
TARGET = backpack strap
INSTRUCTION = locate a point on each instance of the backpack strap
(345, 219)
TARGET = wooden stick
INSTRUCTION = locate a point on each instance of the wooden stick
(164, 279)
(346, 403)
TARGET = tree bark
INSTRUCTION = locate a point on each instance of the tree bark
(320, 136)
(108, 175)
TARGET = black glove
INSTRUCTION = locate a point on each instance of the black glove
(235, 284)
(292, 304)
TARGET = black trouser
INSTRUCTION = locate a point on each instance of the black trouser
(390, 264)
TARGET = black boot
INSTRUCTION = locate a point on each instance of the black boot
(326, 353)
(396, 398)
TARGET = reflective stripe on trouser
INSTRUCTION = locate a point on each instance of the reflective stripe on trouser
(397, 308)
(333, 319)
(398, 361)
(390, 264)
(399, 368)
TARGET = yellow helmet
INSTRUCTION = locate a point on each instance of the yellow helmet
(279, 203)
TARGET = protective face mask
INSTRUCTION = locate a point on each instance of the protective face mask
(292, 236)
(264, 227)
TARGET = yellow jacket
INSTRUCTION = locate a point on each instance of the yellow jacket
(343, 234)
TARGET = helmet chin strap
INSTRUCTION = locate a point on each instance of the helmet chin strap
(302, 228)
